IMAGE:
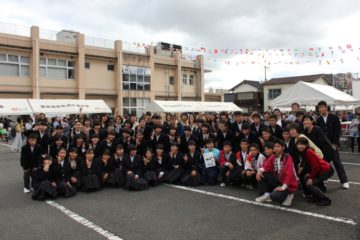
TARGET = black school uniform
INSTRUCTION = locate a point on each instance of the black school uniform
(277, 131)
(184, 143)
(43, 141)
(235, 176)
(221, 137)
(149, 169)
(54, 149)
(118, 175)
(41, 183)
(96, 149)
(174, 169)
(104, 145)
(135, 165)
(162, 139)
(161, 167)
(65, 172)
(90, 176)
(192, 164)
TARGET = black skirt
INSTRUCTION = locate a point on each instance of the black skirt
(116, 179)
(189, 180)
(150, 177)
(139, 184)
(90, 183)
(66, 190)
(45, 190)
(174, 175)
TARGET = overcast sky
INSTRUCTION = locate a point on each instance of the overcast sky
(226, 24)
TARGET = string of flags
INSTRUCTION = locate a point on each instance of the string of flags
(268, 56)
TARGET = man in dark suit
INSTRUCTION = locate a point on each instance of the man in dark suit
(249, 135)
(160, 138)
(256, 125)
(185, 139)
(330, 124)
(223, 135)
(30, 159)
(133, 170)
(275, 129)
(43, 138)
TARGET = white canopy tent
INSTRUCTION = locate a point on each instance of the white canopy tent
(68, 106)
(190, 106)
(15, 107)
(309, 94)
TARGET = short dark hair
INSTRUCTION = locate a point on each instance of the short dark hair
(32, 136)
(295, 126)
(285, 129)
(269, 145)
(302, 141)
(244, 140)
(254, 145)
(273, 116)
(227, 143)
(322, 103)
(293, 104)
(280, 142)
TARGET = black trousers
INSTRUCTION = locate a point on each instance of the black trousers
(268, 184)
(318, 188)
(352, 144)
(250, 180)
(27, 175)
(234, 176)
(339, 167)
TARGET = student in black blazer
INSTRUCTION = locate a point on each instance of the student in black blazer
(223, 134)
(256, 125)
(43, 138)
(185, 139)
(246, 133)
(275, 129)
(330, 125)
(30, 159)
(160, 138)
(133, 170)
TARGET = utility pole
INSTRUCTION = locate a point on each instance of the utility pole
(265, 69)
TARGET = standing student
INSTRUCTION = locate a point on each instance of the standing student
(185, 139)
(330, 124)
(313, 172)
(94, 144)
(256, 125)
(223, 134)
(43, 138)
(56, 146)
(29, 160)
(287, 139)
(210, 171)
(190, 165)
(44, 180)
(275, 128)
(133, 170)
(90, 173)
(230, 169)
(354, 132)
(329, 150)
(18, 129)
(277, 178)
(253, 162)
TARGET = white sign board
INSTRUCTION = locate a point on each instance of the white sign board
(209, 160)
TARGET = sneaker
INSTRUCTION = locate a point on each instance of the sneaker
(288, 200)
(250, 187)
(222, 185)
(263, 198)
(26, 190)
(345, 185)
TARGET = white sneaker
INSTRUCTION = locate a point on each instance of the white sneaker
(250, 187)
(222, 185)
(263, 198)
(26, 190)
(345, 185)
(288, 200)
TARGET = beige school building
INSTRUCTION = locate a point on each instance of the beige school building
(64, 66)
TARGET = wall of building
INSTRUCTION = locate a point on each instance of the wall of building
(245, 88)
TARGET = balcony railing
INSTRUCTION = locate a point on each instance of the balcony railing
(14, 29)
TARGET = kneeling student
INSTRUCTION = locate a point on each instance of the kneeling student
(230, 169)
(132, 168)
(277, 177)
(149, 167)
(313, 172)
(44, 180)
(90, 173)
(190, 165)
(254, 161)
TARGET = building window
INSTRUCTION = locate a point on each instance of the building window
(13, 65)
(274, 93)
(136, 78)
(87, 65)
(57, 68)
(185, 79)
(110, 67)
(171, 80)
(135, 106)
(191, 79)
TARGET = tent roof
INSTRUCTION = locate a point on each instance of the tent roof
(309, 94)
(190, 106)
(14, 107)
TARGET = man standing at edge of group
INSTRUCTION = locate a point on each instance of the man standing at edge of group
(330, 124)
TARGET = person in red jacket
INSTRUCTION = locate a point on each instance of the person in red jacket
(277, 177)
(313, 172)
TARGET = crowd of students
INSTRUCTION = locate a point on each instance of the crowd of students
(268, 152)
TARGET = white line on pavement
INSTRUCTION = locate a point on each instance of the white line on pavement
(333, 180)
(83, 221)
(293, 210)
(348, 163)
